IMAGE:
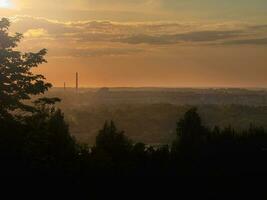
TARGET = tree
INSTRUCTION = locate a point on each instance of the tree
(112, 141)
(190, 126)
(40, 136)
(49, 145)
(17, 82)
(190, 131)
(112, 152)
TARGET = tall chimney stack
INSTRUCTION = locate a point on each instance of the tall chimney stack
(77, 81)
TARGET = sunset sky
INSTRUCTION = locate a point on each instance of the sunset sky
(170, 43)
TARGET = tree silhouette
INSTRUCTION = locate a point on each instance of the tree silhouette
(49, 145)
(17, 82)
(112, 151)
(111, 140)
(190, 133)
(33, 135)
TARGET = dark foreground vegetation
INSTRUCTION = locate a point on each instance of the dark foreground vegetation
(35, 139)
(42, 145)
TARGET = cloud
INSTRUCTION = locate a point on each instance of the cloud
(259, 27)
(258, 41)
(135, 33)
(99, 38)
(143, 10)
(201, 36)
(92, 52)
(36, 33)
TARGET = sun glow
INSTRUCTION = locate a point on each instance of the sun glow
(5, 4)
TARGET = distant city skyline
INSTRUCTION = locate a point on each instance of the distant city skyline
(146, 43)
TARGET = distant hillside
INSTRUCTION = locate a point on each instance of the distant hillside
(154, 111)
(175, 96)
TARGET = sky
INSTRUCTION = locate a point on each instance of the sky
(136, 43)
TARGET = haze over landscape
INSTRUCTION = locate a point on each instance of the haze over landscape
(208, 43)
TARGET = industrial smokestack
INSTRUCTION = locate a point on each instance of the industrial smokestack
(77, 81)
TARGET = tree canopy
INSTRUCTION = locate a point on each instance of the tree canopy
(17, 82)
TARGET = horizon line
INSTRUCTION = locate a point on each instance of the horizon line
(165, 87)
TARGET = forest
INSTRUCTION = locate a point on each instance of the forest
(35, 138)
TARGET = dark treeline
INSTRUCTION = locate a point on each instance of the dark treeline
(42, 145)
(35, 139)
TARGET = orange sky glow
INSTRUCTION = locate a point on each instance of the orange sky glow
(162, 43)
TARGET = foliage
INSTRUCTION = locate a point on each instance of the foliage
(17, 82)
(110, 138)
(34, 137)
